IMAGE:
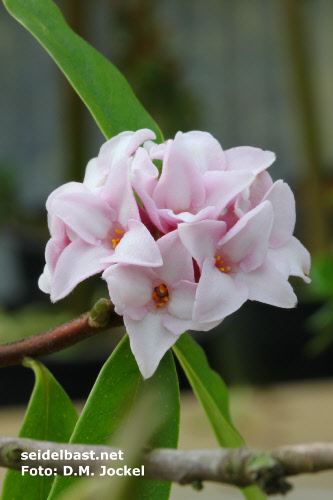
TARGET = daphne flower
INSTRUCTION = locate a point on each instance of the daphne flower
(95, 230)
(157, 304)
(195, 183)
(120, 147)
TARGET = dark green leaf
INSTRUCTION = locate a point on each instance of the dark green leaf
(50, 416)
(212, 393)
(113, 396)
(100, 85)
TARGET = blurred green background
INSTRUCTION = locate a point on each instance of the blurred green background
(256, 73)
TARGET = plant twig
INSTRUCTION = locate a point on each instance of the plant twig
(239, 467)
(100, 318)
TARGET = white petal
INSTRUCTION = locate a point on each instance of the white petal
(177, 261)
(254, 160)
(149, 341)
(77, 262)
(218, 294)
(182, 296)
(283, 202)
(137, 247)
(201, 238)
(247, 241)
(266, 284)
(128, 286)
(291, 259)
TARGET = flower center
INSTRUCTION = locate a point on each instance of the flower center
(119, 234)
(160, 295)
(220, 265)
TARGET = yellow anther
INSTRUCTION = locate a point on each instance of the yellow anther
(118, 231)
(165, 299)
(217, 258)
(221, 269)
(161, 289)
(220, 262)
(159, 304)
(114, 243)
(227, 269)
(155, 296)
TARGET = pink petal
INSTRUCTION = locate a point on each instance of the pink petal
(247, 241)
(180, 186)
(177, 261)
(137, 247)
(94, 176)
(266, 284)
(149, 341)
(222, 187)
(176, 325)
(121, 146)
(181, 302)
(283, 202)
(203, 150)
(77, 262)
(254, 160)
(45, 280)
(201, 238)
(138, 138)
(129, 286)
(291, 259)
(119, 194)
(218, 294)
(259, 187)
(144, 180)
(85, 213)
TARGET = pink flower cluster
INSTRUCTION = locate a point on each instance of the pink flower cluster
(181, 249)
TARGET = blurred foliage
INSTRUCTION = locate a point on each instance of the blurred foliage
(154, 74)
(7, 192)
(320, 324)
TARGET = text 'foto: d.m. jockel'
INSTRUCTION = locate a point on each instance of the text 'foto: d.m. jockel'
(180, 249)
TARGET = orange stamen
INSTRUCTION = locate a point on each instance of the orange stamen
(118, 231)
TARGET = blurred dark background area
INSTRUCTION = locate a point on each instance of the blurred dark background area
(254, 73)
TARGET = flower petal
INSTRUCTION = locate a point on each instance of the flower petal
(247, 241)
(119, 194)
(85, 213)
(254, 160)
(94, 177)
(266, 284)
(182, 296)
(283, 202)
(218, 294)
(201, 238)
(291, 259)
(77, 262)
(136, 247)
(120, 146)
(222, 187)
(177, 261)
(180, 186)
(149, 341)
(128, 286)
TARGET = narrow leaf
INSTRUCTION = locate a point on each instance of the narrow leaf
(113, 396)
(50, 416)
(100, 85)
(212, 393)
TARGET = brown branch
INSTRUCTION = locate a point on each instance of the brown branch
(239, 467)
(100, 318)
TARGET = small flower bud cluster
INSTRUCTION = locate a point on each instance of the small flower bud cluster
(179, 249)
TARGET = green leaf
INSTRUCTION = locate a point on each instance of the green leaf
(113, 397)
(100, 85)
(50, 416)
(212, 393)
